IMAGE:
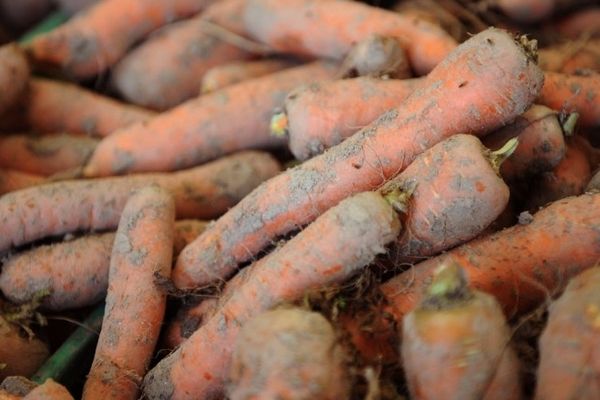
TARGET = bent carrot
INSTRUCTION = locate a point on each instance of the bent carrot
(93, 41)
(376, 153)
(49, 390)
(45, 155)
(14, 75)
(330, 28)
(135, 305)
(74, 272)
(572, 57)
(11, 180)
(203, 129)
(202, 192)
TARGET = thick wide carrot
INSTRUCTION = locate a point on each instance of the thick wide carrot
(53, 106)
(573, 93)
(135, 305)
(288, 354)
(93, 41)
(357, 229)
(572, 57)
(167, 69)
(527, 11)
(455, 344)
(49, 390)
(457, 97)
(569, 362)
(74, 272)
(58, 208)
(204, 128)
(11, 180)
(330, 28)
(238, 71)
(14, 75)
(45, 155)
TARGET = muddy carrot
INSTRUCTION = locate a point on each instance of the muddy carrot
(432, 11)
(188, 319)
(49, 390)
(20, 354)
(204, 128)
(58, 208)
(14, 75)
(74, 272)
(330, 28)
(572, 57)
(11, 180)
(372, 155)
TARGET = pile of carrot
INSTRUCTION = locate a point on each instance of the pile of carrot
(301, 199)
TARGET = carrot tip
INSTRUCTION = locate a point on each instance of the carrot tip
(279, 124)
(499, 156)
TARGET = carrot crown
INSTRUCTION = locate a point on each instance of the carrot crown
(499, 156)
(448, 288)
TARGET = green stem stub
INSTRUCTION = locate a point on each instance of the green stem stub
(448, 287)
(499, 156)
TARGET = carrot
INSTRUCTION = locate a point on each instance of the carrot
(21, 15)
(572, 57)
(203, 129)
(17, 385)
(234, 72)
(594, 183)
(580, 23)
(93, 41)
(372, 155)
(75, 6)
(318, 116)
(14, 75)
(202, 192)
(11, 180)
(44, 155)
(573, 93)
(288, 354)
(432, 11)
(53, 106)
(167, 69)
(74, 272)
(541, 143)
(378, 56)
(527, 11)
(455, 343)
(188, 319)
(568, 364)
(19, 354)
(49, 390)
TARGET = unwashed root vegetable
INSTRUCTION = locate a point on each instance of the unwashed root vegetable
(135, 305)
(204, 128)
(288, 354)
(74, 272)
(80, 205)
(19, 353)
(457, 97)
(330, 28)
(11, 180)
(455, 344)
(569, 363)
(432, 11)
(14, 75)
(49, 390)
(572, 57)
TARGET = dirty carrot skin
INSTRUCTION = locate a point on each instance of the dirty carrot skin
(135, 305)
(74, 272)
(432, 11)
(205, 128)
(44, 155)
(288, 354)
(372, 155)
(53, 106)
(167, 69)
(21, 354)
(14, 75)
(87, 205)
(455, 344)
(11, 180)
(568, 362)
(93, 41)
(571, 57)
(318, 116)
(573, 93)
(49, 390)
(238, 71)
(330, 28)
(357, 230)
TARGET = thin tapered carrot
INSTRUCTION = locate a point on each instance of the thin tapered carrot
(45, 155)
(135, 305)
(93, 41)
(49, 390)
(74, 272)
(372, 155)
(330, 28)
(14, 75)
(11, 180)
(205, 128)
(572, 57)
(82, 205)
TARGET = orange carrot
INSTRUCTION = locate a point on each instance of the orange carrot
(459, 86)
(11, 180)
(19, 354)
(93, 41)
(238, 71)
(357, 229)
(44, 155)
(455, 344)
(189, 318)
(79, 205)
(581, 23)
(288, 354)
(168, 68)
(14, 75)
(527, 11)
(572, 57)
(53, 106)
(434, 12)
(49, 390)
(74, 272)
(203, 129)
(135, 306)
(330, 28)
(318, 116)
(568, 364)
